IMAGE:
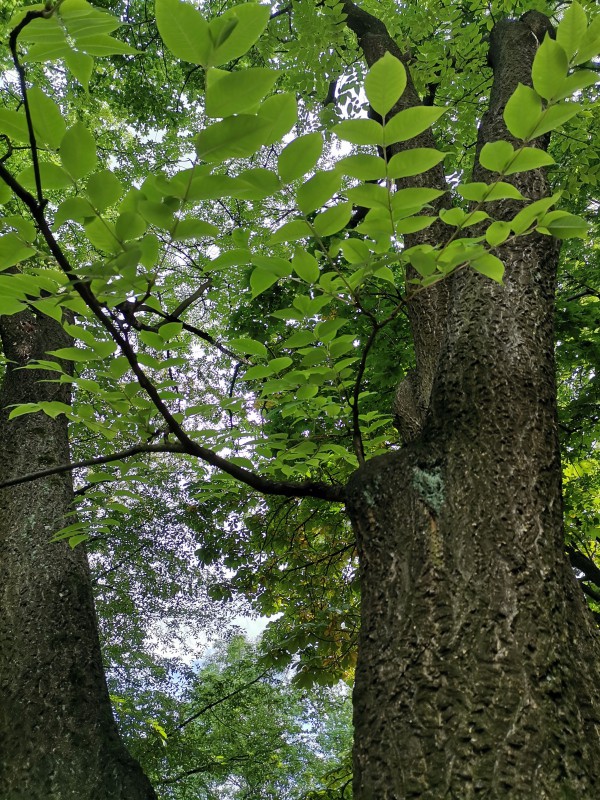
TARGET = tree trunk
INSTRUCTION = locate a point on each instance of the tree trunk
(478, 661)
(58, 738)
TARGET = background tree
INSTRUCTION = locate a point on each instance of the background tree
(457, 686)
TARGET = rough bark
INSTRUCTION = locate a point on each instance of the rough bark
(58, 738)
(478, 661)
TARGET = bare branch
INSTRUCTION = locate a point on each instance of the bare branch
(92, 462)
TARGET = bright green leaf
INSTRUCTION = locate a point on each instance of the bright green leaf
(235, 92)
(104, 189)
(234, 40)
(572, 29)
(78, 151)
(47, 118)
(523, 112)
(299, 157)
(385, 83)
(333, 219)
(234, 137)
(362, 166)
(184, 31)
(413, 162)
(490, 266)
(409, 123)
(305, 266)
(359, 131)
(318, 190)
(549, 69)
(279, 113)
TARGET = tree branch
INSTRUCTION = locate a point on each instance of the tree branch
(321, 491)
(219, 701)
(92, 462)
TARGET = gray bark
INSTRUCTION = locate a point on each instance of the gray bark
(478, 660)
(58, 738)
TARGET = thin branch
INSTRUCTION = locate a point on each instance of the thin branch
(12, 43)
(219, 701)
(92, 462)
(185, 304)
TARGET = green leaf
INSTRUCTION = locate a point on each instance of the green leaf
(523, 112)
(385, 83)
(299, 157)
(14, 125)
(479, 192)
(318, 190)
(460, 218)
(423, 259)
(102, 235)
(565, 226)
(47, 119)
(77, 209)
(490, 266)
(370, 195)
(549, 68)
(78, 151)
(333, 219)
(575, 82)
(362, 166)
(413, 162)
(355, 251)
(305, 266)
(130, 225)
(277, 364)
(496, 155)
(554, 117)
(234, 137)
(184, 31)
(299, 339)
(525, 218)
(51, 175)
(291, 232)
(192, 228)
(261, 279)
(279, 112)
(81, 65)
(234, 40)
(152, 339)
(497, 233)
(101, 45)
(156, 214)
(528, 158)
(255, 184)
(13, 250)
(249, 347)
(409, 123)
(589, 46)
(572, 29)
(170, 330)
(404, 199)
(359, 131)
(104, 189)
(235, 92)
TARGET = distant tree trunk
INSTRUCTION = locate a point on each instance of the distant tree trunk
(479, 664)
(58, 738)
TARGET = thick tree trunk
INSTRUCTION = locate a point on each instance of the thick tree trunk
(478, 661)
(58, 738)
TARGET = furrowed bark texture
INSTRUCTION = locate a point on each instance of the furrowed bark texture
(478, 662)
(58, 738)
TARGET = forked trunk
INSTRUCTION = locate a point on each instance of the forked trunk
(58, 738)
(478, 661)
